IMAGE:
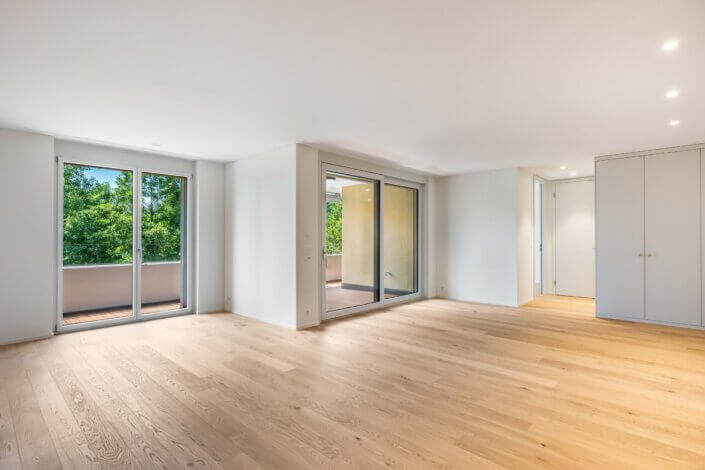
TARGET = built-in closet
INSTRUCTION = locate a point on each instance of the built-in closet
(649, 237)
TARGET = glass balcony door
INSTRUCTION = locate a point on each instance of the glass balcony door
(401, 240)
(123, 244)
(371, 245)
(163, 244)
(96, 233)
(352, 248)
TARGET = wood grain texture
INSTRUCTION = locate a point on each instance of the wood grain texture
(433, 384)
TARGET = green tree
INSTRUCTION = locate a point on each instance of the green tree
(98, 217)
(334, 227)
(161, 217)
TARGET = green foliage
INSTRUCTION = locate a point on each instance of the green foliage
(98, 217)
(161, 217)
(334, 227)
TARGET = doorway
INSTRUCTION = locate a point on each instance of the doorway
(122, 244)
(370, 239)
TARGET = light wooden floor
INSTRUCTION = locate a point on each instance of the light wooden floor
(563, 303)
(433, 384)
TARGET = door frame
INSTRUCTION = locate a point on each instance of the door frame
(542, 182)
(381, 179)
(136, 240)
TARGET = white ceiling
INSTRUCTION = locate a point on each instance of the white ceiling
(444, 87)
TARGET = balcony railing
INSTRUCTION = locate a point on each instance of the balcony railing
(101, 286)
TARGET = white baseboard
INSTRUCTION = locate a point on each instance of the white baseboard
(650, 322)
(25, 340)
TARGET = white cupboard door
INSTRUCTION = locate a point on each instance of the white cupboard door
(672, 237)
(575, 238)
(619, 235)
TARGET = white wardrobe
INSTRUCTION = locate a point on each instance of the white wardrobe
(648, 237)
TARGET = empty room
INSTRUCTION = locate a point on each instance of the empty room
(314, 234)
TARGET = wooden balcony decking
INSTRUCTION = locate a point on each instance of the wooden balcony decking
(74, 318)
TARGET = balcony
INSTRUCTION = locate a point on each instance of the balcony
(104, 291)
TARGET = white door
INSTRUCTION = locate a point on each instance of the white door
(575, 238)
(672, 237)
(620, 237)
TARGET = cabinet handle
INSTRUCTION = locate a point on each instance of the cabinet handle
(649, 255)
(641, 254)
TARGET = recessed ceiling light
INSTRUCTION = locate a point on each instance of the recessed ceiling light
(669, 45)
(672, 93)
(156, 144)
(563, 167)
(572, 173)
(674, 122)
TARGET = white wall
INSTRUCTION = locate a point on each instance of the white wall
(260, 240)
(102, 154)
(525, 236)
(209, 289)
(27, 236)
(476, 216)
(308, 229)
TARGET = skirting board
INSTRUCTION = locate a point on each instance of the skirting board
(650, 322)
(25, 340)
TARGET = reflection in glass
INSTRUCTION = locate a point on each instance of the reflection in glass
(400, 240)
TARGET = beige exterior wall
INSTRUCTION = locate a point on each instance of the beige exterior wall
(399, 238)
(358, 234)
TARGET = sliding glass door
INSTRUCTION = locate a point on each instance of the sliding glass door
(122, 244)
(371, 241)
(401, 241)
(163, 242)
(352, 241)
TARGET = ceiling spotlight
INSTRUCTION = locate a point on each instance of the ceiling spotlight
(672, 93)
(669, 45)
(156, 144)
(563, 167)
(674, 123)
(572, 173)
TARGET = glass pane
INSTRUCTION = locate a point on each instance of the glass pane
(352, 259)
(97, 244)
(400, 241)
(163, 243)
